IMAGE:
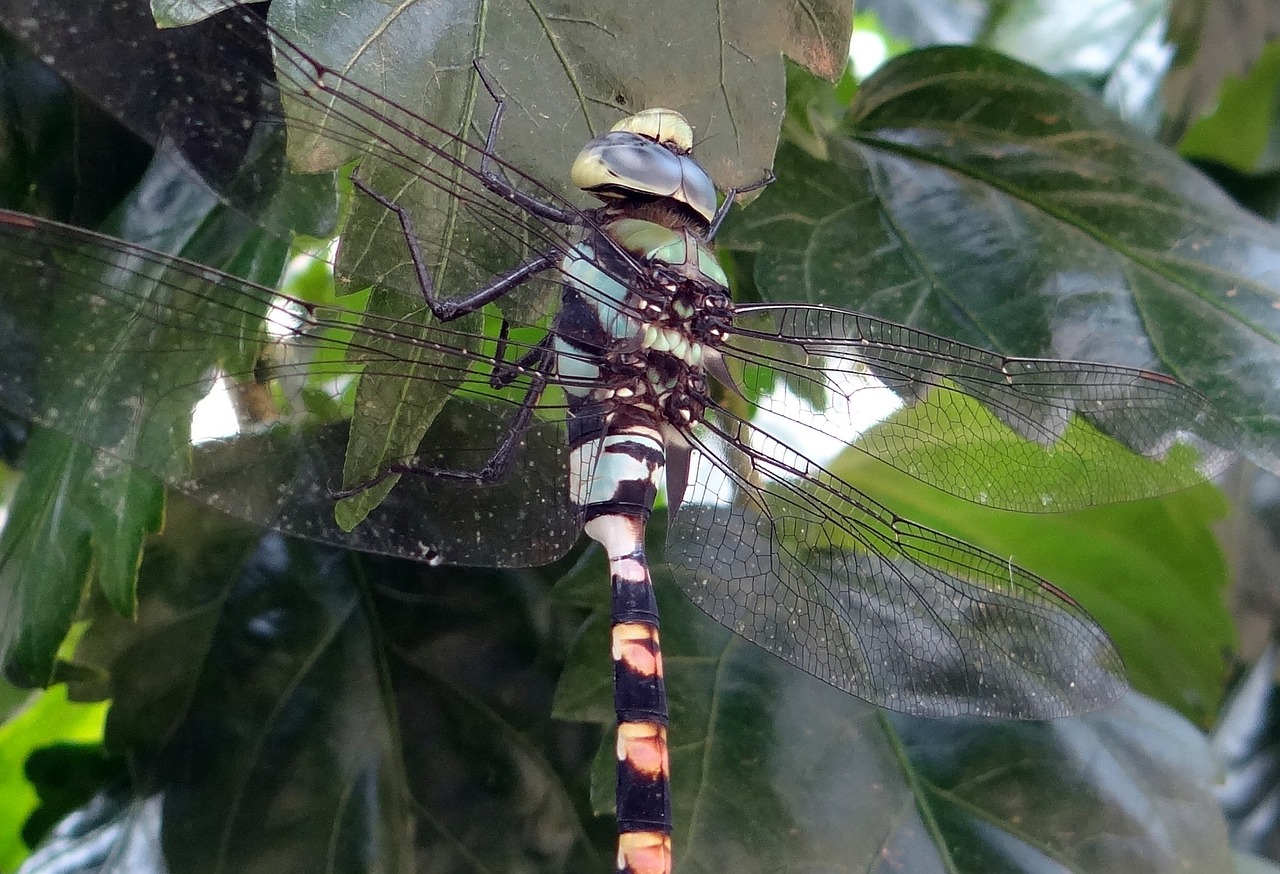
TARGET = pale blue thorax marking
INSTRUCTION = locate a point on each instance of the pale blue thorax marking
(591, 484)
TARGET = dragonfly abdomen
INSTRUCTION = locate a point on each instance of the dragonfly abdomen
(630, 361)
(616, 495)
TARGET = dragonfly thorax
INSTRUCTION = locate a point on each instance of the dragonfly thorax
(644, 344)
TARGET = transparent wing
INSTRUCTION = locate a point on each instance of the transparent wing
(784, 553)
(231, 96)
(211, 95)
(1018, 433)
(123, 349)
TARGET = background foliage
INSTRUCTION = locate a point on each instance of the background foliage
(271, 699)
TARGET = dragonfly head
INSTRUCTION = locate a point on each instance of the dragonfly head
(646, 155)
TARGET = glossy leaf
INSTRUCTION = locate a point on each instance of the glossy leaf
(1245, 741)
(978, 199)
(1150, 571)
(228, 692)
(111, 829)
(927, 22)
(553, 64)
(1115, 48)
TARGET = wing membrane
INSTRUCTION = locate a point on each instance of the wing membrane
(120, 344)
(1018, 433)
(810, 568)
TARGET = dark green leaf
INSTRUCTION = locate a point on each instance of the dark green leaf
(978, 199)
(228, 693)
(79, 499)
(282, 698)
(44, 167)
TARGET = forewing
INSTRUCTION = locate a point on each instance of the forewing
(116, 346)
(230, 96)
(1035, 435)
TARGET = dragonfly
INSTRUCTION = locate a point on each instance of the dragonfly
(598, 361)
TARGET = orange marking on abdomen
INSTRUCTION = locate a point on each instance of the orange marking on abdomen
(644, 853)
(636, 646)
(644, 746)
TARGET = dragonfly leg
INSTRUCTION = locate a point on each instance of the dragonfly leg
(535, 360)
(491, 170)
(497, 465)
(448, 310)
(731, 195)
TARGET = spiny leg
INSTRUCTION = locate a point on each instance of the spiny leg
(496, 466)
(730, 196)
(493, 177)
(535, 361)
(496, 181)
(448, 310)
(504, 373)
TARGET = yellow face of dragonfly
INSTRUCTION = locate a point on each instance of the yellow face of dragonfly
(666, 127)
